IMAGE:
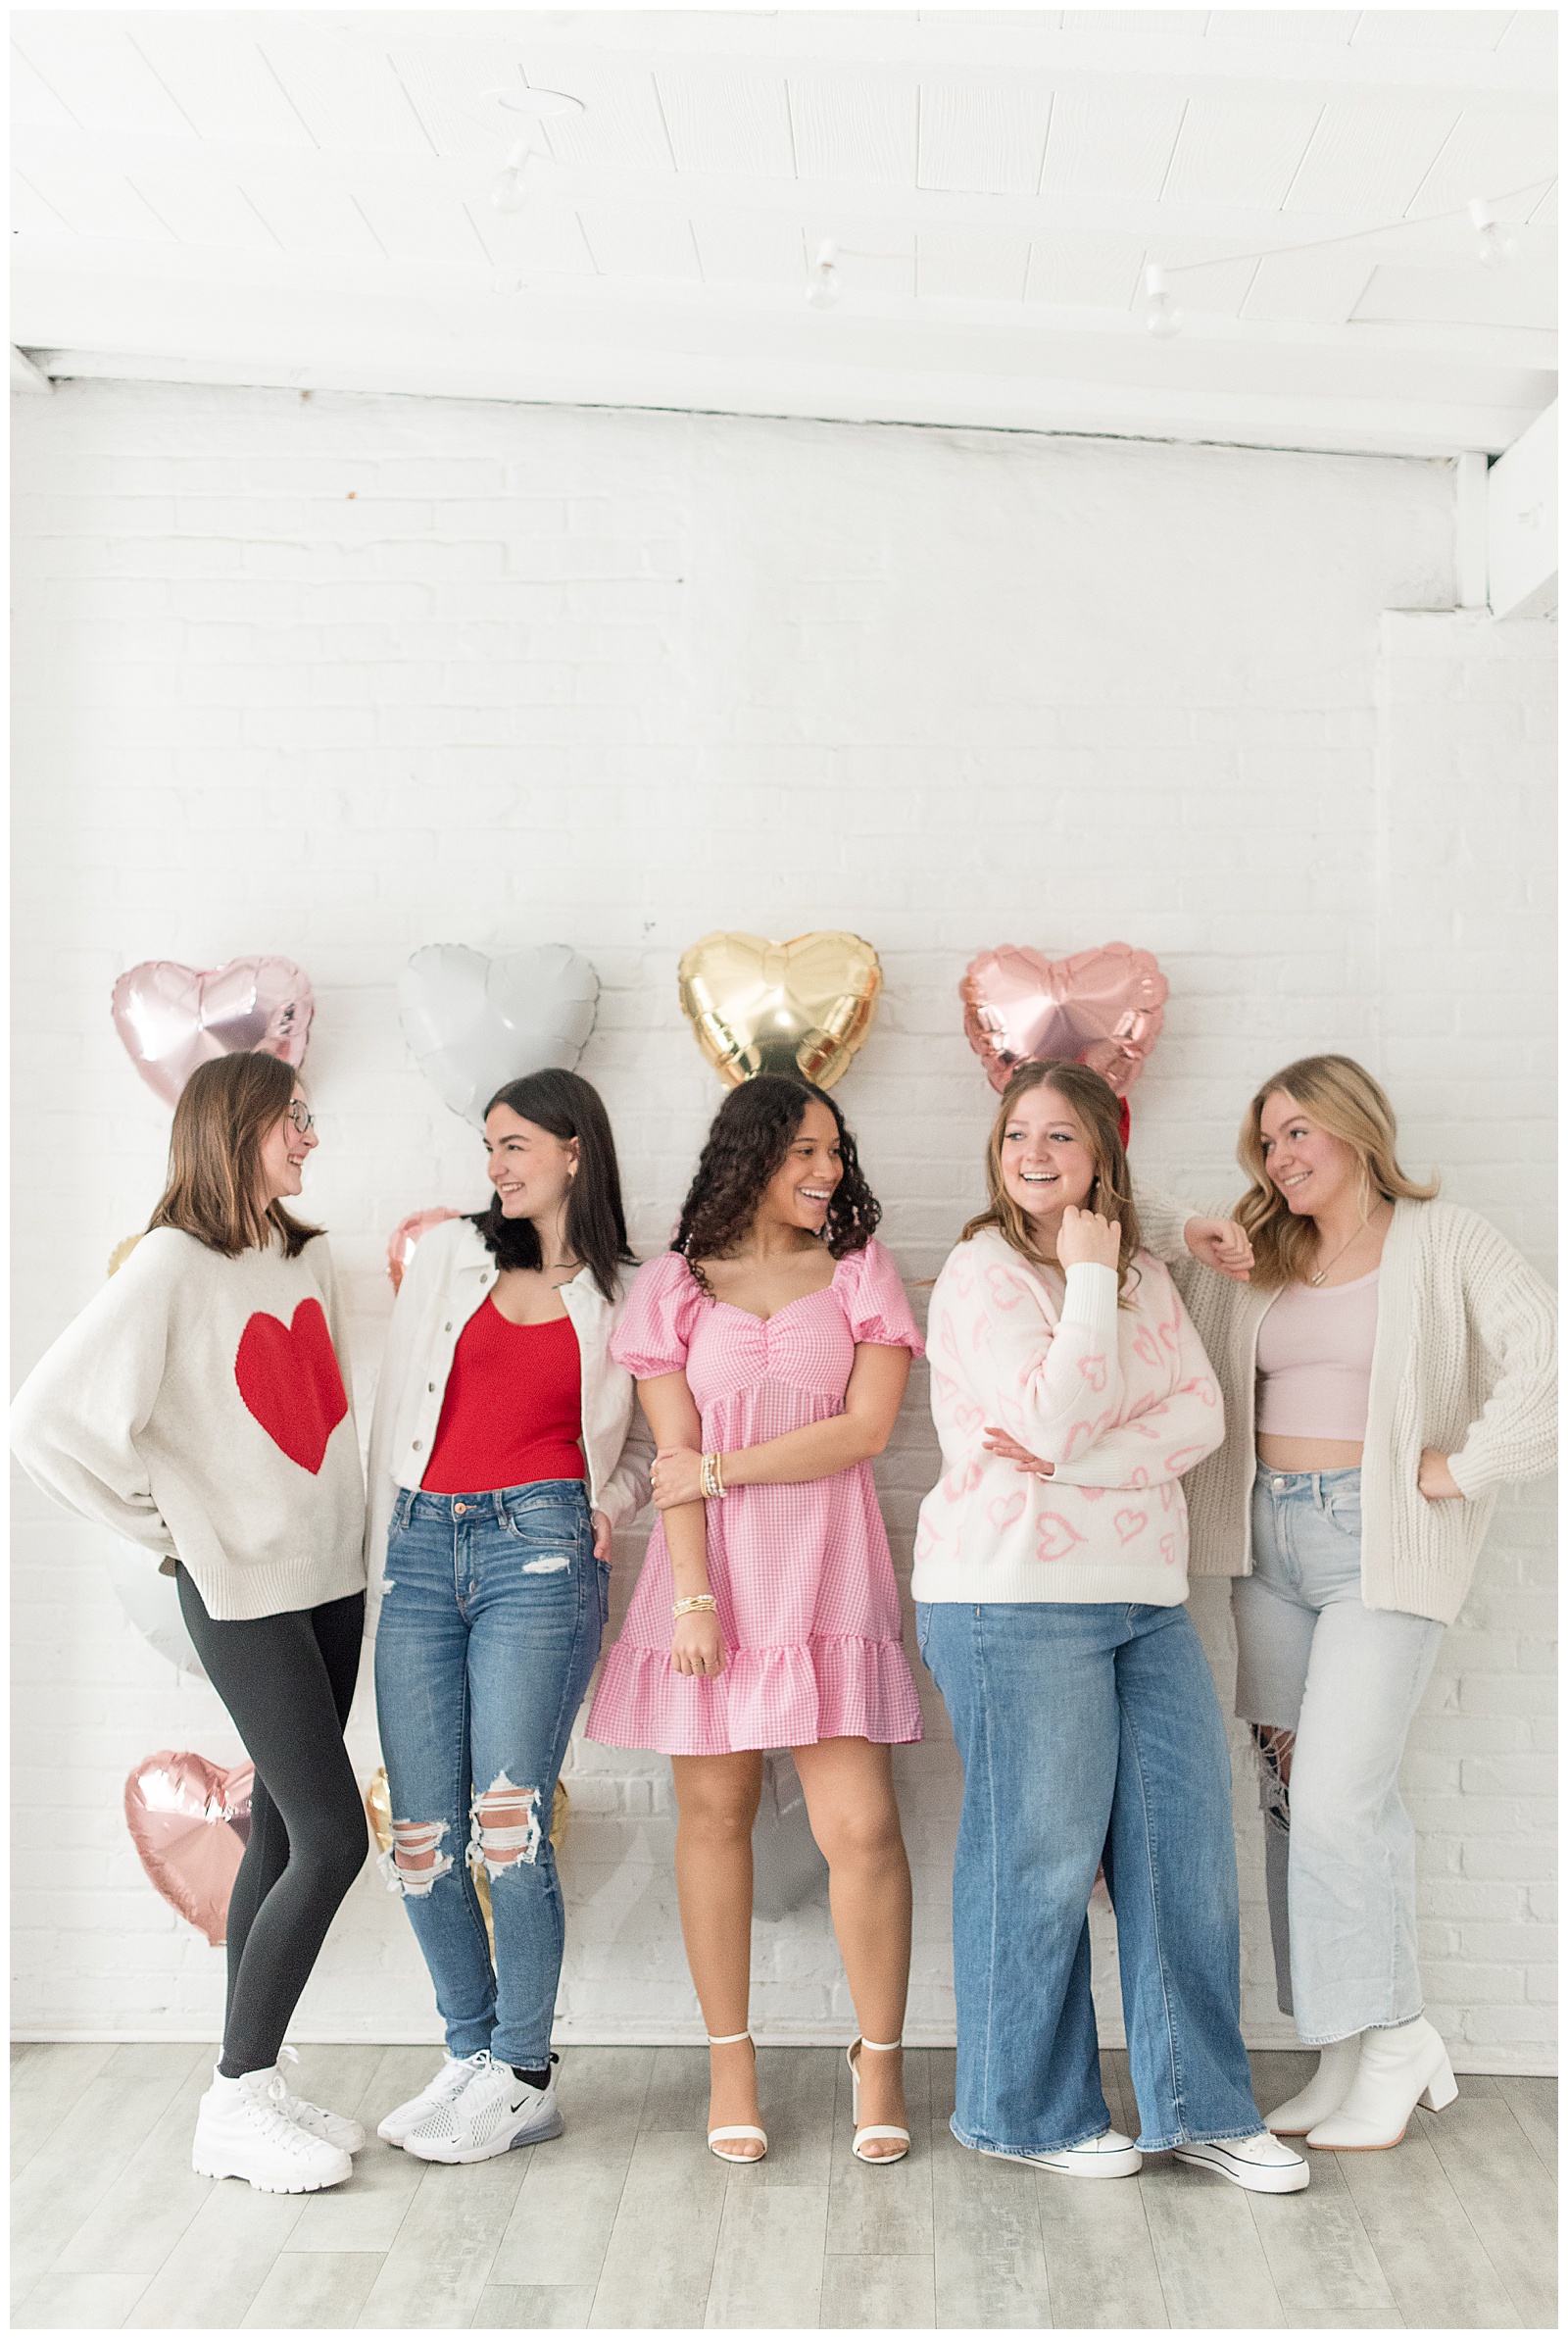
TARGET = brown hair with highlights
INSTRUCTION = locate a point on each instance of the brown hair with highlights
(1098, 1111)
(215, 1190)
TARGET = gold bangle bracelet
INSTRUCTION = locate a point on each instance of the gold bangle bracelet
(698, 1604)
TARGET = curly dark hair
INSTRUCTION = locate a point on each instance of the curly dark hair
(752, 1133)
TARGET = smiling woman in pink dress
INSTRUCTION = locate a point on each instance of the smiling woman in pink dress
(771, 1346)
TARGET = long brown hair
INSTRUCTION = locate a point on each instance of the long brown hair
(1343, 1097)
(1098, 1109)
(214, 1188)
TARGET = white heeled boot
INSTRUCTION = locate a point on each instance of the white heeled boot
(1398, 2069)
(1323, 2093)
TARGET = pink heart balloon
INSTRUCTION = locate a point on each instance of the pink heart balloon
(1104, 1008)
(190, 1822)
(406, 1235)
(173, 1018)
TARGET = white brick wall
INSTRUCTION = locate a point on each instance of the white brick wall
(335, 678)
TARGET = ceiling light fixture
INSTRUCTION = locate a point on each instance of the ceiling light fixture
(1495, 248)
(511, 192)
(1163, 316)
(822, 286)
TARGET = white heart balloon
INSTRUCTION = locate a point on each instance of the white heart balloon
(151, 1599)
(474, 1024)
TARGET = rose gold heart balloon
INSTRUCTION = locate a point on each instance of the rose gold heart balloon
(780, 1007)
(190, 1821)
(1104, 1008)
(406, 1235)
(173, 1018)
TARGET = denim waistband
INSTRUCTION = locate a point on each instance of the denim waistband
(503, 1502)
(1313, 1482)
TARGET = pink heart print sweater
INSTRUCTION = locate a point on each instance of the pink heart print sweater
(1120, 1400)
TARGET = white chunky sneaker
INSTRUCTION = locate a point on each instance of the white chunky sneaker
(1323, 2093)
(1260, 2164)
(331, 2127)
(453, 2076)
(1109, 2154)
(241, 2132)
(495, 2112)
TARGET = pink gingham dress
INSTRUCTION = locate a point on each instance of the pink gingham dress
(806, 1597)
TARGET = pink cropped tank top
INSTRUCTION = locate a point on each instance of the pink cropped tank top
(1314, 1361)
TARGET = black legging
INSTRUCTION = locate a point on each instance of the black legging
(288, 1684)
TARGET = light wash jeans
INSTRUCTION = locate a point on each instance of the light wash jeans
(489, 1630)
(1346, 1679)
(1088, 1730)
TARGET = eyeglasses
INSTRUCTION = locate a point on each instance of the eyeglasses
(302, 1117)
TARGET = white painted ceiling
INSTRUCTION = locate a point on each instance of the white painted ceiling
(304, 198)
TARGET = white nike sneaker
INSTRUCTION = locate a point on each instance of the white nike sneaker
(495, 2112)
(240, 2131)
(1109, 2154)
(331, 2127)
(451, 2079)
(1261, 2164)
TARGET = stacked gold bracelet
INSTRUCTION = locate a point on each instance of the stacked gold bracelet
(699, 1604)
(712, 1477)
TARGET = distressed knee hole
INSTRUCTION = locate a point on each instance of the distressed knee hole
(1274, 1748)
(415, 1859)
(506, 1827)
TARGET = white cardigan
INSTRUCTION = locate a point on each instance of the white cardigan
(1464, 1360)
(450, 1275)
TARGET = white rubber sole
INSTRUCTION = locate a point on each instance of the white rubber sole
(544, 2133)
(1250, 2177)
(213, 2164)
(1126, 2162)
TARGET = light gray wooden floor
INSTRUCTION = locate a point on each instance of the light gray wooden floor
(629, 2221)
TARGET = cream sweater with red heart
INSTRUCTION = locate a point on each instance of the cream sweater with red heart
(196, 1406)
(1122, 1401)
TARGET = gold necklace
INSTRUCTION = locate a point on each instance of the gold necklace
(1315, 1280)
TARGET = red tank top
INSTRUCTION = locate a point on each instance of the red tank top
(512, 1409)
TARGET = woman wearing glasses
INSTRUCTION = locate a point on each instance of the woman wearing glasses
(196, 1406)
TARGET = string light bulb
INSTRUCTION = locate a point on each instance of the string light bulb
(510, 190)
(1494, 247)
(822, 289)
(1163, 316)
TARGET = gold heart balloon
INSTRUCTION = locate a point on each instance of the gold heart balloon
(780, 1007)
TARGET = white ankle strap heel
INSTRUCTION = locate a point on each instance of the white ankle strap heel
(852, 2055)
(716, 2136)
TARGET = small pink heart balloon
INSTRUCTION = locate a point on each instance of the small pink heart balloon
(1104, 1008)
(405, 1237)
(190, 1822)
(173, 1018)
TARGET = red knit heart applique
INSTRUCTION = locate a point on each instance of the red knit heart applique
(288, 1377)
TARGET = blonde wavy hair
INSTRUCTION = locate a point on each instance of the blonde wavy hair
(1341, 1097)
(1099, 1109)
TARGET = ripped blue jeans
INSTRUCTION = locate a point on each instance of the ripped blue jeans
(491, 1619)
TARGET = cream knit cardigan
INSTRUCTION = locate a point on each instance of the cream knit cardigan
(1464, 1360)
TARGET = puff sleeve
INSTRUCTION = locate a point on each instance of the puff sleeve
(655, 1332)
(875, 1303)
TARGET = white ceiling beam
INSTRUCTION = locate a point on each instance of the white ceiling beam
(1470, 531)
(27, 380)
(1521, 523)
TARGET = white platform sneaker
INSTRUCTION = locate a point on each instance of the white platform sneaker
(1323, 2093)
(1109, 2154)
(1259, 2163)
(331, 2127)
(495, 2112)
(1397, 2069)
(241, 2131)
(453, 2076)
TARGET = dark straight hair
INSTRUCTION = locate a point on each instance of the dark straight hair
(596, 1223)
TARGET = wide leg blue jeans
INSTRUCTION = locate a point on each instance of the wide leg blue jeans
(490, 1624)
(1089, 1730)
